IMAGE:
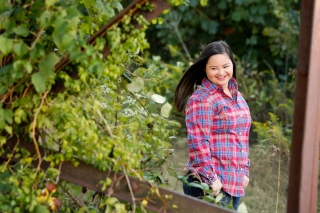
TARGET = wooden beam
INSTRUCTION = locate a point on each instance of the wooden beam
(303, 182)
(165, 201)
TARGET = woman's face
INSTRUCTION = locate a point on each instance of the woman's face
(219, 69)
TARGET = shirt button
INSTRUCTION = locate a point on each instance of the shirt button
(240, 133)
(242, 151)
(241, 169)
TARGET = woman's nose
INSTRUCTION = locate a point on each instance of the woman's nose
(220, 71)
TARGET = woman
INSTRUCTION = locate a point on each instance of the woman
(218, 122)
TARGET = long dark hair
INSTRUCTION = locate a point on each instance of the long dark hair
(194, 75)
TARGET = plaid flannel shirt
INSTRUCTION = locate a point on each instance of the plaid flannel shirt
(218, 131)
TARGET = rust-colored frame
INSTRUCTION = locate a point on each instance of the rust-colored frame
(304, 163)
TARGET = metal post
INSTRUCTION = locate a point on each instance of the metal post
(303, 183)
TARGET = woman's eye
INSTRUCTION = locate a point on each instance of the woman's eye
(226, 67)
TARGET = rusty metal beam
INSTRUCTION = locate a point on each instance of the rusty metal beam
(90, 177)
(303, 182)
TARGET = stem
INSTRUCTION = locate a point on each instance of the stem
(118, 94)
(37, 38)
(140, 102)
(182, 43)
(14, 148)
(105, 122)
(130, 189)
(34, 130)
(70, 195)
(279, 173)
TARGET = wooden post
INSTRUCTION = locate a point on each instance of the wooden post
(303, 182)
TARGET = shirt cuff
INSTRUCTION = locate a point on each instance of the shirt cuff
(206, 174)
(246, 171)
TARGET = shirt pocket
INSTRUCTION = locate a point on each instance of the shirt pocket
(224, 120)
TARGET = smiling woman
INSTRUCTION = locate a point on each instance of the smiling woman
(219, 70)
(218, 123)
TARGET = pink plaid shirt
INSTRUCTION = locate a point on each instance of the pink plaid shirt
(218, 132)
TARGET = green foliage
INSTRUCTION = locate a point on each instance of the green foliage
(208, 194)
(270, 134)
(109, 115)
(262, 32)
(265, 93)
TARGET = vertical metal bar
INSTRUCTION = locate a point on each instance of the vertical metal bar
(303, 183)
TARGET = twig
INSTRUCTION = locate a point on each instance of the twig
(105, 122)
(140, 102)
(130, 189)
(15, 146)
(34, 130)
(37, 38)
(70, 195)
(58, 176)
(118, 94)
(135, 75)
(25, 91)
(136, 173)
(279, 173)
(182, 43)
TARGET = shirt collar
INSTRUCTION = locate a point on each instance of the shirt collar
(211, 87)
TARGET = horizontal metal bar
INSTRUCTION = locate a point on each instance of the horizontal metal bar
(87, 176)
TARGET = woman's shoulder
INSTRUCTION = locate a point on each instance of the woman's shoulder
(202, 95)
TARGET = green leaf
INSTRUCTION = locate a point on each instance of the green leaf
(172, 172)
(209, 198)
(27, 66)
(2, 121)
(196, 185)
(8, 129)
(37, 51)
(203, 2)
(165, 110)
(222, 5)
(76, 190)
(21, 30)
(87, 3)
(50, 2)
(183, 179)
(219, 197)
(242, 208)
(263, 10)
(44, 19)
(3, 89)
(136, 85)
(236, 15)
(41, 209)
(8, 115)
(48, 63)
(20, 49)
(157, 98)
(39, 81)
(6, 45)
(19, 115)
(205, 186)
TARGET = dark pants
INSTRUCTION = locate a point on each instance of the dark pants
(197, 192)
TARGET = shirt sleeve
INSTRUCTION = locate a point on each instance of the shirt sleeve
(198, 121)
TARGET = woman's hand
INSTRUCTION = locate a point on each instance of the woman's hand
(216, 187)
(245, 181)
